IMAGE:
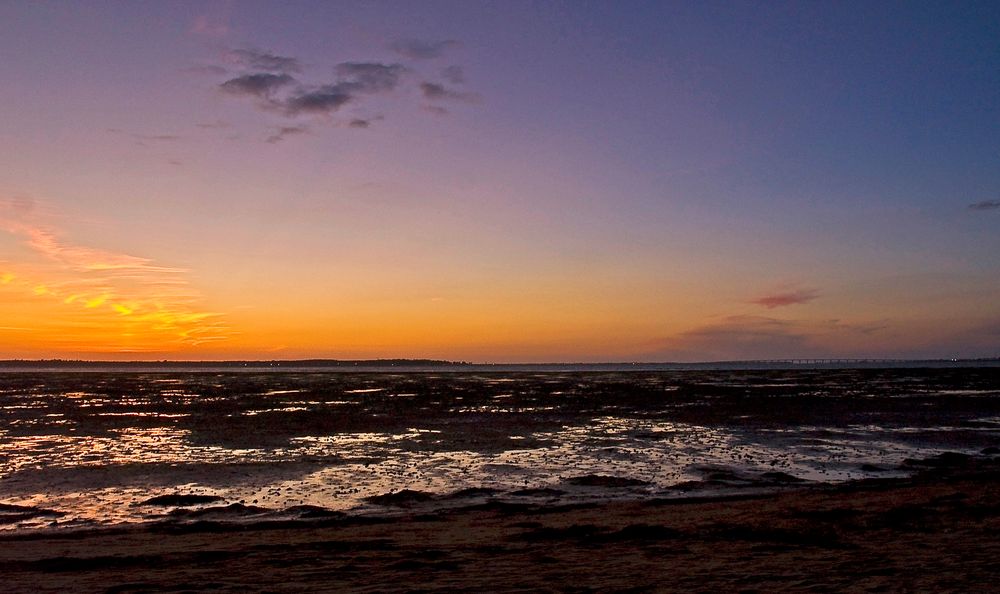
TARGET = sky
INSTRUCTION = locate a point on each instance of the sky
(499, 181)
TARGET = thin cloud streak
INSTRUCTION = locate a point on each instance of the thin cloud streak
(86, 259)
(786, 298)
(985, 205)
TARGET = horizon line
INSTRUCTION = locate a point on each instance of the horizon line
(391, 361)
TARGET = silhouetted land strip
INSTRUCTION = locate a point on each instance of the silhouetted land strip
(255, 364)
(397, 365)
(935, 531)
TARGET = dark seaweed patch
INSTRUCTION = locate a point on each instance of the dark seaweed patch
(611, 482)
(401, 498)
(180, 500)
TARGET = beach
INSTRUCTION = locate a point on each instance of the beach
(707, 480)
(935, 531)
(462, 296)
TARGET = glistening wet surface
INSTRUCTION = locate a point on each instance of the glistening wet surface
(88, 449)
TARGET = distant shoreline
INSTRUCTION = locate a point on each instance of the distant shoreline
(432, 365)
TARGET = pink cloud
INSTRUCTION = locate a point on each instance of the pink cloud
(84, 258)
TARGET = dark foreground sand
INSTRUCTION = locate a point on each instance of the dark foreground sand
(937, 532)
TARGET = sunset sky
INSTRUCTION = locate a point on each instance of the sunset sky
(499, 181)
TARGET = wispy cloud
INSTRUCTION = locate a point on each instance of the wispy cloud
(985, 205)
(284, 132)
(785, 298)
(418, 49)
(438, 92)
(84, 259)
(741, 337)
(142, 139)
(266, 61)
(130, 302)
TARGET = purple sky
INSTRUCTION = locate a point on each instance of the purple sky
(500, 181)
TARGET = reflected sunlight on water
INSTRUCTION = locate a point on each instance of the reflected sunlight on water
(92, 447)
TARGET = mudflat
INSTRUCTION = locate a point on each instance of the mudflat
(935, 531)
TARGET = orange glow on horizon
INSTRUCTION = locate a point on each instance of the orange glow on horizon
(64, 298)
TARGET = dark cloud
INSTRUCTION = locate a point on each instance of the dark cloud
(438, 92)
(259, 84)
(369, 77)
(433, 90)
(284, 132)
(355, 78)
(325, 99)
(453, 74)
(985, 205)
(783, 298)
(268, 62)
(422, 50)
(278, 92)
(436, 110)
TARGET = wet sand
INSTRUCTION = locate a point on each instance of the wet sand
(936, 531)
